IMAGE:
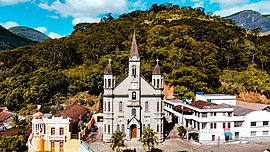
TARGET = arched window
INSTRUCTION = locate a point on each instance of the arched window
(146, 106)
(134, 70)
(117, 127)
(109, 82)
(120, 106)
(157, 83)
(157, 127)
(133, 95)
(158, 106)
(112, 82)
(105, 128)
(154, 82)
(105, 83)
(123, 128)
(109, 106)
(133, 112)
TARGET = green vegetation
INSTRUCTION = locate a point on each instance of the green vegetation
(196, 52)
(182, 131)
(13, 143)
(118, 140)
(149, 139)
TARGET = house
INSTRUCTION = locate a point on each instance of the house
(5, 117)
(213, 122)
(216, 98)
(133, 104)
(59, 132)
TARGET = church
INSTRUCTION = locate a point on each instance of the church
(133, 104)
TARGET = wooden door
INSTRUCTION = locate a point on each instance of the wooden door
(133, 131)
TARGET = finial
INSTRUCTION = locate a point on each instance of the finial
(157, 61)
(110, 60)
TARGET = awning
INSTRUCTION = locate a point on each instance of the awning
(228, 133)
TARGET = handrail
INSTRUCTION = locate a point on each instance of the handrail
(30, 142)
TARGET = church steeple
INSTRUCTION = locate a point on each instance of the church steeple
(134, 53)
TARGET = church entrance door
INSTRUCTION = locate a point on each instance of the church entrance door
(133, 131)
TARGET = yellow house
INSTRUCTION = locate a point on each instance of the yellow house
(52, 133)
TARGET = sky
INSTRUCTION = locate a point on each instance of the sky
(56, 18)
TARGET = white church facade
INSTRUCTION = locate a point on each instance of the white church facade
(133, 104)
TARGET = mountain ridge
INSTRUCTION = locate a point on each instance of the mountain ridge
(250, 19)
(29, 33)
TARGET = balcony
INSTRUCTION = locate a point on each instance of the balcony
(57, 137)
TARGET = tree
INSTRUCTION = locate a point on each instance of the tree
(118, 140)
(149, 139)
(18, 122)
(13, 143)
(182, 131)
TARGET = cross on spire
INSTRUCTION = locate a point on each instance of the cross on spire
(110, 60)
(157, 61)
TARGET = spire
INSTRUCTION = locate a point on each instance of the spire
(109, 68)
(134, 48)
(157, 69)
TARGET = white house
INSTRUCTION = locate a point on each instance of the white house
(213, 122)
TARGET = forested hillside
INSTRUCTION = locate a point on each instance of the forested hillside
(198, 52)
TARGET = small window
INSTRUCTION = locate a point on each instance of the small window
(104, 128)
(253, 124)
(224, 125)
(148, 126)
(143, 126)
(104, 105)
(123, 128)
(117, 127)
(105, 83)
(238, 123)
(146, 106)
(229, 125)
(61, 131)
(133, 95)
(52, 131)
(265, 123)
(229, 114)
(253, 133)
(157, 83)
(109, 129)
(158, 106)
(133, 112)
(157, 127)
(265, 132)
(154, 82)
(109, 106)
(204, 114)
(120, 106)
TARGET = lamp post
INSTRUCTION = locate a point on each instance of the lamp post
(97, 148)
(170, 148)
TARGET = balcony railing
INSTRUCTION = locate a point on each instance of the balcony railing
(57, 137)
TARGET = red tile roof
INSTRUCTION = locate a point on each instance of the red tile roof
(5, 115)
(73, 112)
(253, 106)
(15, 132)
(3, 108)
(198, 104)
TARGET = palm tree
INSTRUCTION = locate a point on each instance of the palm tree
(117, 140)
(18, 122)
(149, 139)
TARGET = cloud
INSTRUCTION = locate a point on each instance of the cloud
(228, 3)
(199, 4)
(12, 2)
(262, 7)
(85, 19)
(41, 29)
(140, 4)
(85, 9)
(55, 35)
(9, 24)
(53, 16)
